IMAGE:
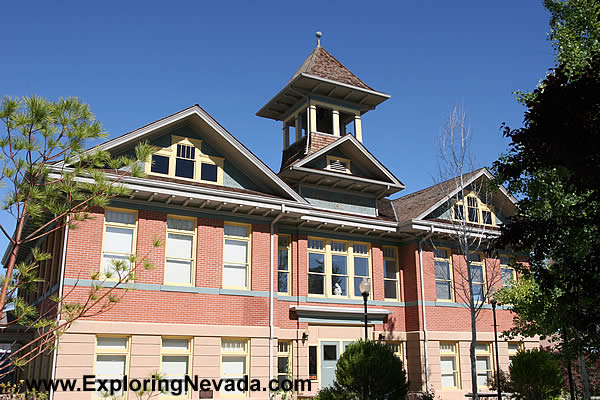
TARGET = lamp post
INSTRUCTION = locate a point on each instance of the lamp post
(365, 290)
(494, 303)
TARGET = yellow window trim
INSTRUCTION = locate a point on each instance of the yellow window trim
(170, 352)
(118, 225)
(248, 254)
(454, 354)
(482, 263)
(395, 259)
(344, 160)
(349, 267)
(199, 158)
(194, 235)
(102, 351)
(289, 262)
(245, 354)
(481, 206)
(450, 271)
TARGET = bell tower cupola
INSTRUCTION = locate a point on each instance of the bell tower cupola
(322, 102)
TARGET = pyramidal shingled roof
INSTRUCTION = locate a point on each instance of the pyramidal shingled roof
(322, 64)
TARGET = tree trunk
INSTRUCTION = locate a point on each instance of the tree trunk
(10, 265)
(584, 378)
(472, 353)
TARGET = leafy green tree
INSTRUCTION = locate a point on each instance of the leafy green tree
(535, 375)
(49, 182)
(367, 370)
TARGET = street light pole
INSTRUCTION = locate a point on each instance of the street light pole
(494, 303)
(365, 290)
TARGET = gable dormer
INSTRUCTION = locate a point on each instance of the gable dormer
(185, 159)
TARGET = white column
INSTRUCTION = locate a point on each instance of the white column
(336, 122)
(358, 128)
(312, 113)
(286, 136)
(298, 127)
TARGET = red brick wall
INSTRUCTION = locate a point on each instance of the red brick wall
(320, 140)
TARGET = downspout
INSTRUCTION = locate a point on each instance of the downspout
(272, 266)
(425, 337)
(60, 294)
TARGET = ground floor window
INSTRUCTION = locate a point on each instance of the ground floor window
(175, 360)
(513, 349)
(284, 361)
(483, 356)
(449, 368)
(112, 353)
(234, 359)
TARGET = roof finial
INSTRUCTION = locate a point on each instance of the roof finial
(318, 35)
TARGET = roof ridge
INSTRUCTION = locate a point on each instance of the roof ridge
(470, 173)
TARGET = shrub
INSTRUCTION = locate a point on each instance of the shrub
(505, 385)
(367, 370)
(535, 375)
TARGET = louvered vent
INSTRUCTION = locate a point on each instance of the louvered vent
(338, 165)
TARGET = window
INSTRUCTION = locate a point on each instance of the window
(443, 274)
(284, 360)
(160, 164)
(338, 164)
(283, 264)
(316, 266)
(180, 250)
(175, 360)
(390, 273)
(483, 363)
(508, 273)
(475, 210)
(513, 349)
(312, 362)
(336, 268)
(236, 256)
(111, 359)
(476, 269)
(185, 159)
(119, 242)
(449, 369)
(234, 359)
(396, 347)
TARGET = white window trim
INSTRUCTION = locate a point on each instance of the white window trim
(106, 224)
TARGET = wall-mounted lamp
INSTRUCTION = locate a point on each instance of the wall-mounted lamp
(381, 337)
(304, 336)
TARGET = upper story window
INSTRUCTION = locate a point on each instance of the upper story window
(336, 268)
(477, 271)
(443, 274)
(119, 242)
(180, 250)
(283, 264)
(390, 274)
(184, 159)
(508, 273)
(473, 210)
(236, 256)
(338, 164)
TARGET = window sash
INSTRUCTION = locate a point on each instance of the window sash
(443, 274)
(391, 272)
(335, 269)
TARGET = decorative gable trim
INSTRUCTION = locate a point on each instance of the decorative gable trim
(196, 110)
(482, 173)
(393, 181)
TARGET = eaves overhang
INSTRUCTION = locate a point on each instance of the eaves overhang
(324, 313)
(305, 85)
(417, 226)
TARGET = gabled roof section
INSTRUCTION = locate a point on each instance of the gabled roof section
(321, 63)
(232, 148)
(359, 154)
(418, 205)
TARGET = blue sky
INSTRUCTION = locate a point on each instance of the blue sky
(135, 62)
